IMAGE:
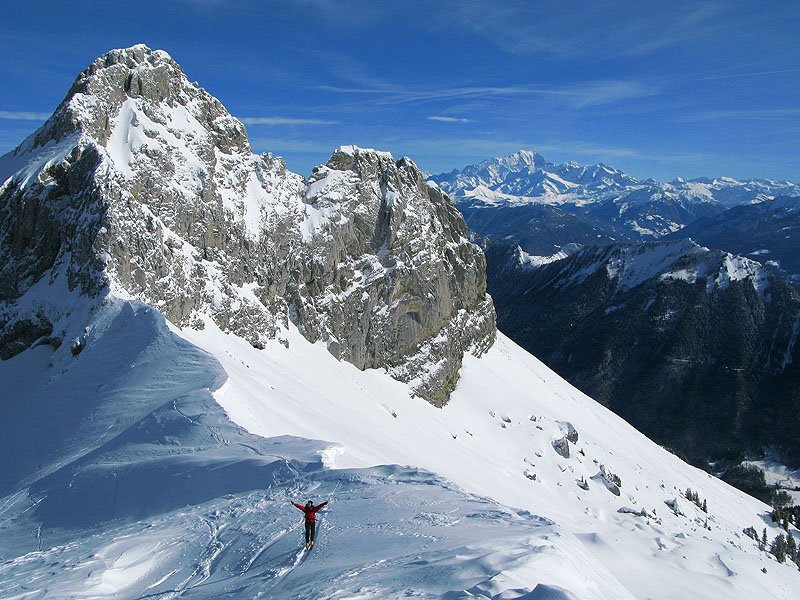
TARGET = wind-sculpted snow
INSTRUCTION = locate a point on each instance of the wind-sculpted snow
(143, 183)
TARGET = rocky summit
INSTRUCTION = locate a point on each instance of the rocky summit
(143, 185)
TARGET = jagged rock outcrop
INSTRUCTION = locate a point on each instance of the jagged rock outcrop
(141, 182)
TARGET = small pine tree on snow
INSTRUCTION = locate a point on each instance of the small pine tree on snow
(791, 547)
(763, 544)
(781, 499)
(705, 506)
(778, 548)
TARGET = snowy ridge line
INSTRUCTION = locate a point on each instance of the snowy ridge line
(527, 177)
(634, 264)
(592, 197)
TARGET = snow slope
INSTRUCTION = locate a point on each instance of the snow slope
(132, 481)
(486, 441)
(146, 489)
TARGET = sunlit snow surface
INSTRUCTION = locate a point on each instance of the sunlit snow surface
(123, 478)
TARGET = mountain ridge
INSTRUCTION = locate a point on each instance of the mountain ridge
(662, 332)
(364, 256)
(597, 194)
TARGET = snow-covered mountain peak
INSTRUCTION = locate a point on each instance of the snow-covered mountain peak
(528, 158)
(151, 77)
(155, 192)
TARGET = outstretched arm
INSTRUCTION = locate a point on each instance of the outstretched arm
(299, 506)
(316, 508)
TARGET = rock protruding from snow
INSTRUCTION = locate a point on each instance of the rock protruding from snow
(561, 446)
(142, 182)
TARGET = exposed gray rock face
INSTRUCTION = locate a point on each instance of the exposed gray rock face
(561, 446)
(142, 183)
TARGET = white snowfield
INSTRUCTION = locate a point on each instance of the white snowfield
(125, 479)
(486, 440)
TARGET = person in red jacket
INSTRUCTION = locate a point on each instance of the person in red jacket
(311, 519)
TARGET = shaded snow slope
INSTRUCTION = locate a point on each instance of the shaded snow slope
(634, 264)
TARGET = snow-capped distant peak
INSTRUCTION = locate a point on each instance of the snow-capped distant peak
(525, 177)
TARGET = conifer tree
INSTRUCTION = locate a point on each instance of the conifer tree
(791, 546)
(778, 548)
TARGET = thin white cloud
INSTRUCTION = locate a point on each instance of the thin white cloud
(598, 29)
(285, 121)
(450, 119)
(755, 114)
(281, 145)
(581, 95)
(23, 116)
(738, 75)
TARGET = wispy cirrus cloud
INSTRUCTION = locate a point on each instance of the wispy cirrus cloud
(450, 119)
(749, 74)
(745, 114)
(580, 95)
(283, 145)
(285, 121)
(14, 115)
(597, 29)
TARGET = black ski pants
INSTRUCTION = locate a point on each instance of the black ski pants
(310, 527)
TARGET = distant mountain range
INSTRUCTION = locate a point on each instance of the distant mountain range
(526, 200)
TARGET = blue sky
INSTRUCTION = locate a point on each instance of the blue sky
(658, 89)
